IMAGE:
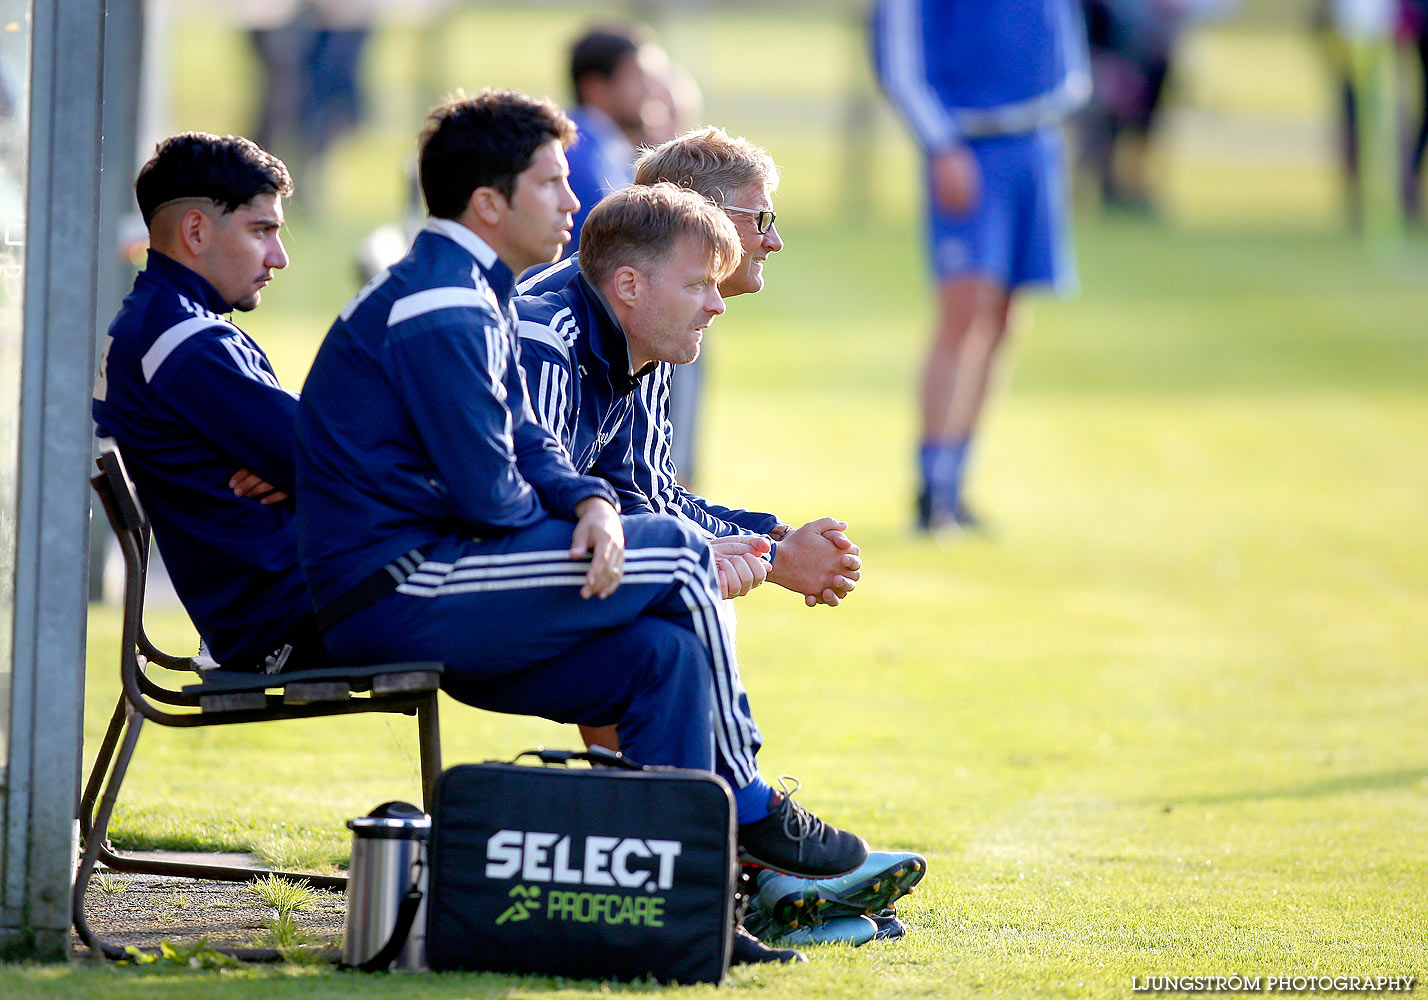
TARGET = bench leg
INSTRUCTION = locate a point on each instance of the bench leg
(95, 827)
(94, 842)
(101, 768)
(429, 733)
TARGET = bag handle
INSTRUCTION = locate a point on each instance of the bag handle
(596, 755)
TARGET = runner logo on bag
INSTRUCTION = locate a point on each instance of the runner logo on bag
(527, 899)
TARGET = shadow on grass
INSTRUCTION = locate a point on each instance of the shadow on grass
(320, 981)
(1344, 784)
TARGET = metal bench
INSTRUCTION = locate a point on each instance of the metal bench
(220, 698)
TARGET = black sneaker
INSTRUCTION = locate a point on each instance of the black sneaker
(968, 520)
(792, 840)
(749, 950)
(890, 928)
(931, 519)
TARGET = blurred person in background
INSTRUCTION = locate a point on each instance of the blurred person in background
(674, 102)
(1133, 56)
(610, 88)
(985, 88)
(1342, 23)
(311, 57)
(1132, 44)
(1413, 30)
(628, 93)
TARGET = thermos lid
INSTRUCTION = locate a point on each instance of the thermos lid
(392, 821)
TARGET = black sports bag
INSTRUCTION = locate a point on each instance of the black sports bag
(612, 872)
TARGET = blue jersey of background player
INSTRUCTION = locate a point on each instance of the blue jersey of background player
(610, 89)
(983, 84)
(195, 406)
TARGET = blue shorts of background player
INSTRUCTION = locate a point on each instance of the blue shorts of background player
(1018, 233)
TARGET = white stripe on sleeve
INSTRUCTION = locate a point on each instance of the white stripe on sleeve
(433, 299)
(542, 334)
(905, 74)
(170, 339)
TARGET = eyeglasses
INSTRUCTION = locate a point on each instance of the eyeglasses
(763, 217)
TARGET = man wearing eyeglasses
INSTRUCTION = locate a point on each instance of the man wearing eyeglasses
(817, 560)
(598, 357)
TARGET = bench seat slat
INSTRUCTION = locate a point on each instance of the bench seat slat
(356, 678)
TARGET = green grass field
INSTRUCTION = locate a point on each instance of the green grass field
(1167, 720)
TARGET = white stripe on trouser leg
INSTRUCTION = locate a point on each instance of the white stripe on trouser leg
(731, 624)
(746, 727)
(729, 619)
(504, 572)
(733, 731)
(526, 570)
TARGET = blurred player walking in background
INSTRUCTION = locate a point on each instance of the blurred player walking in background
(985, 86)
(628, 92)
(610, 88)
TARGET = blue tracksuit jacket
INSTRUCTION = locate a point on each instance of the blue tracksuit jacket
(972, 68)
(577, 365)
(555, 308)
(415, 426)
(191, 399)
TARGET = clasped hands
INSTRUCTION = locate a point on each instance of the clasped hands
(817, 560)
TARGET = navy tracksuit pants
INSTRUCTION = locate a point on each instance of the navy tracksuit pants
(506, 617)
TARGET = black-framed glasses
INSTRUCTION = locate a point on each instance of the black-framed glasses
(763, 217)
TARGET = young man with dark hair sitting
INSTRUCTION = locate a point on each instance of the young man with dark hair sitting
(203, 424)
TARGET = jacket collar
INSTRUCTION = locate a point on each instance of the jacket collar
(186, 281)
(498, 275)
(610, 343)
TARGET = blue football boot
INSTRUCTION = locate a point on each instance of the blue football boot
(787, 901)
(852, 931)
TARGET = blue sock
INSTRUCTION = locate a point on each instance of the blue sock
(942, 464)
(928, 462)
(752, 801)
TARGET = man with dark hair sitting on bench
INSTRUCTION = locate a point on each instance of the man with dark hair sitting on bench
(205, 428)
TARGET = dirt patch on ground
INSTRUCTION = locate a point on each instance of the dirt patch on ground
(147, 910)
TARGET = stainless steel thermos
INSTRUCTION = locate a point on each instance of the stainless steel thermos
(386, 885)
